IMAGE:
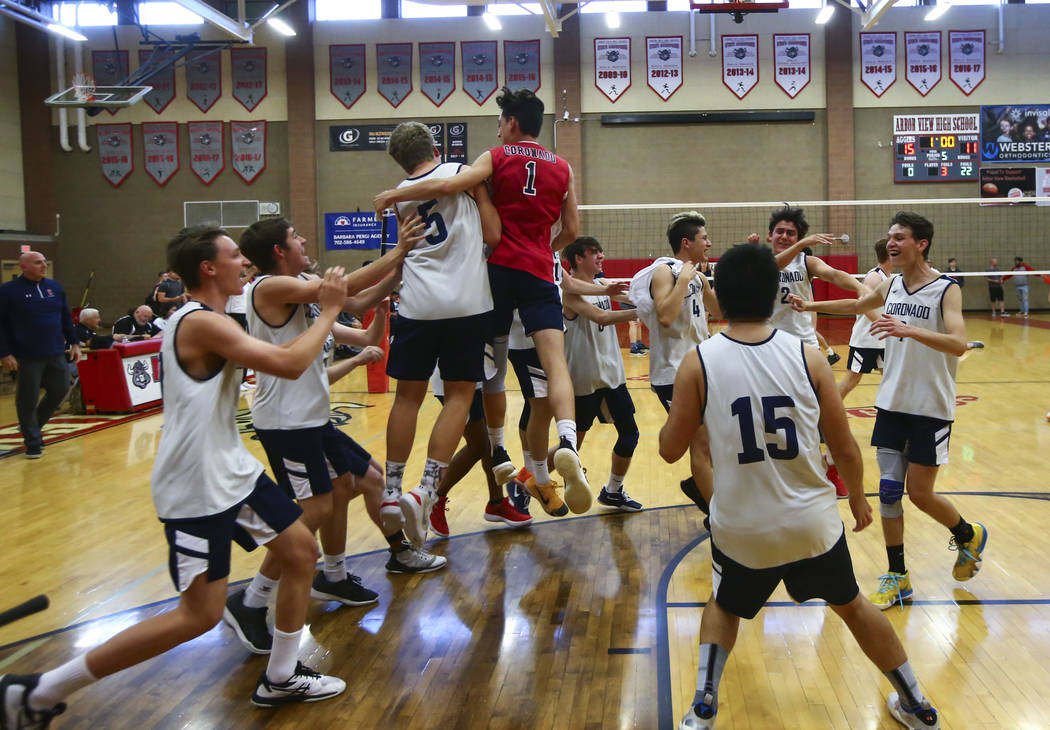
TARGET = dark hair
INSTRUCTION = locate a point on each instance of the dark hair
(746, 282)
(411, 144)
(189, 248)
(580, 247)
(524, 106)
(790, 215)
(684, 225)
(1018, 260)
(259, 238)
(882, 254)
(921, 228)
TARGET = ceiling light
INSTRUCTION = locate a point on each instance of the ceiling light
(67, 32)
(938, 10)
(612, 20)
(825, 14)
(492, 21)
(280, 26)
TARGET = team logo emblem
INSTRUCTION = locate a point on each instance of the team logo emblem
(664, 54)
(140, 376)
(966, 48)
(792, 52)
(878, 51)
(203, 67)
(923, 49)
(113, 140)
(346, 62)
(612, 56)
(349, 136)
(479, 59)
(248, 66)
(437, 61)
(740, 53)
(159, 140)
(205, 139)
(393, 61)
(248, 136)
(522, 58)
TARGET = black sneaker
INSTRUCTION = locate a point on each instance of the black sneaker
(305, 685)
(975, 345)
(348, 591)
(15, 713)
(690, 490)
(33, 452)
(502, 467)
(248, 623)
(619, 500)
(834, 358)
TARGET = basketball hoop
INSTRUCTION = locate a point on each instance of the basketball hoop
(83, 87)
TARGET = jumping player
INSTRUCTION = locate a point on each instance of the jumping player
(865, 350)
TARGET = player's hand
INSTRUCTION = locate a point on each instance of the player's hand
(368, 355)
(410, 231)
(753, 238)
(74, 353)
(9, 363)
(333, 290)
(820, 239)
(861, 510)
(617, 288)
(887, 326)
(383, 201)
(688, 271)
(797, 303)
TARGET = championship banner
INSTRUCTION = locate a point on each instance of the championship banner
(791, 65)
(521, 64)
(437, 71)
(207, 150)
(922, 60)
(878, 61)
(114, 152)
(966, 59)
(394, 68)
(109, 68)
(740, 63)
(1015, 133)
(204, 78)
(160, 150)
(248, 69)
(612, 66)
(663, 61)
(456, 150)
(249, 149)
(480, 64)
(163, 82)
(346, 69)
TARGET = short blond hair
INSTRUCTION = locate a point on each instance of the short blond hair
(411, 144)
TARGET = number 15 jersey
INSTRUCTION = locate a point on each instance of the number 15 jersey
(529, 185)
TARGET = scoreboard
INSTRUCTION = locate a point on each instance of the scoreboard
(939, 157)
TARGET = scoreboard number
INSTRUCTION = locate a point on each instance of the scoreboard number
(935, 157)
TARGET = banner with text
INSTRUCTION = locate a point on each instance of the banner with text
(394, 69)
(109, 68)
(922, 60)
(204, 78)
(791, 62)
(966, 59)
(115, 152)
(356, 231)
(437, 71)
(521, 64)
(740, 63)
(663, 64)
(1015, 133)
(160, 150)
(1008, 185)
(346, 70)
(456, 147)
(480, 64)
(878, 61)
(248, 67)
(207, 150)
(612, 66)
(248, 142)
(163, 82)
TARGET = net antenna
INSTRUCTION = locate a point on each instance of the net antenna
(738, 8)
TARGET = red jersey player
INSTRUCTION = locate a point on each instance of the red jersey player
(531, 188)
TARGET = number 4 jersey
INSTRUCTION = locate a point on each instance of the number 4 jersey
(529, 185)
(772, 504)
(445, 275)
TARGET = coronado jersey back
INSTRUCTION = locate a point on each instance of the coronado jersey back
(202, 466)
(529, 185)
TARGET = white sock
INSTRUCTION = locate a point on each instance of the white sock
(540, 472)
(615, 483)
(259, 591)
(496, 436)
(395, 470)
(335, 567)
(828, 459)
(526, 459)
(831, 351)
(433, 471)
(567, 429)
(283, 656)
(59, 683)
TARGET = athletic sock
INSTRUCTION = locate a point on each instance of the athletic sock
(526, 458)
(963, 532)
(395, 471)
(830, 351)
(567, 429)
(396, 541)
(615, 484)
(828, 459)
(283, 656)
(495, 437)
(259, 591)
(712, 662)
(57, 684)
(540, 472)
(903, 680)
(335, 567)
(433, 470)
(895, 553)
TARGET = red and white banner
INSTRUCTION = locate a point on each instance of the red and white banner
(521, 64)
(346, 69)
(612, 66)
(115, 152)
(922, 60)
(163, 82)
(663, 63)
(394, 67)
(966, 59)
(160, 150)
(204, 78)
(878, 61)
(791, 65)
(740, 63)
(109, 68)
(480, 61)
(437, 71)
(248, 69)
(207, 150)
(249, 149)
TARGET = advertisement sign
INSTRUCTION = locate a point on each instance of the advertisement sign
(456, 149)
(350, 137)
(612, 66)
(1007, 185)
(1015, 133)
(357, 231)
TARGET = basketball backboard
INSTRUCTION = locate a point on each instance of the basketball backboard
(106, 97)
(739, 8)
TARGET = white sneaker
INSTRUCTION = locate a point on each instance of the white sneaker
(414, 560)
(577, 490)
(416, 506)
(692, 721)
(305, 685)
(390, 511)
(924, 719)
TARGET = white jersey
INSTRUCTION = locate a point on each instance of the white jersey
(668, 345)
(202, 466)
(917, 379)
(237, 303)
(794, 279)
(445, 275)
(772, 503)
(861, 337)
(593, 351)
(517, 339)
(282, 403)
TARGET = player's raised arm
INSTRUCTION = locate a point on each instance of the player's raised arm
(466, 179)
(788, 255)
(819, 268)
(869, 301)
(579, 306)
(684, 418)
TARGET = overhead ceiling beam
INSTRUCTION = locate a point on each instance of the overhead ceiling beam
(871, 16)
(219, 20)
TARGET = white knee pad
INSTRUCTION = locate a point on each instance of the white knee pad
(495, 366)
(893, 467)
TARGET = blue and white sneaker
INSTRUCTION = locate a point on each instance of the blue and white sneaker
(619, 500)
(700, 717)
(518, 495)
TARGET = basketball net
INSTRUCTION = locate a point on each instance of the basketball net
(83, 87)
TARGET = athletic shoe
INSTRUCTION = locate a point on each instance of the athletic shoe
(620, 500)
(643, 347)
(438, 522)
(894, 588)
(635, 350)
(34, 452)
(689, 489)
(305, 685)
(348, 591)
(833, 476)
(503, 511)
(547, 497)
(975, 345)
(390, 511)
(969, 560)
(248, 623)
(523, 475)
(924, 717)
(416, 506)
(518, 495)
(701, 716)
(834, 358)
(15, 713)
(411, 559)
(1005, 314)
(577, 490)
(502, 467)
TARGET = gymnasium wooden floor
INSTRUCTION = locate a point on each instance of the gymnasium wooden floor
(585, 622)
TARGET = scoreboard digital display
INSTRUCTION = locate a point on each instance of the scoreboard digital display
(936, 157)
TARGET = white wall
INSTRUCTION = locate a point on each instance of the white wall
(12, 190)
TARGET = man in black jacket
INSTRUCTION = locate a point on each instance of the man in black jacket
(135, 326)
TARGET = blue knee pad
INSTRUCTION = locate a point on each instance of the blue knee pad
(893, 467)
(495, 366)
(626, 439)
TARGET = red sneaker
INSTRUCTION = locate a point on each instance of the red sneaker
(833, 476)
(438, 523)
(504, 512)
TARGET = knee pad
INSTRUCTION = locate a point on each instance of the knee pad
(893, 466)
(526, 411)
(626, 438)
(495, 366)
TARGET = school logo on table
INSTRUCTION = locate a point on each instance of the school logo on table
(140, 376)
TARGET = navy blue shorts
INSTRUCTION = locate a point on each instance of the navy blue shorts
(529, 371)
(608, 405)
(922, 439)
(477, 408)
(456, 345)
(306, 460)
(863, 360)
(202, 544)
(537, 301)
(665, 393)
